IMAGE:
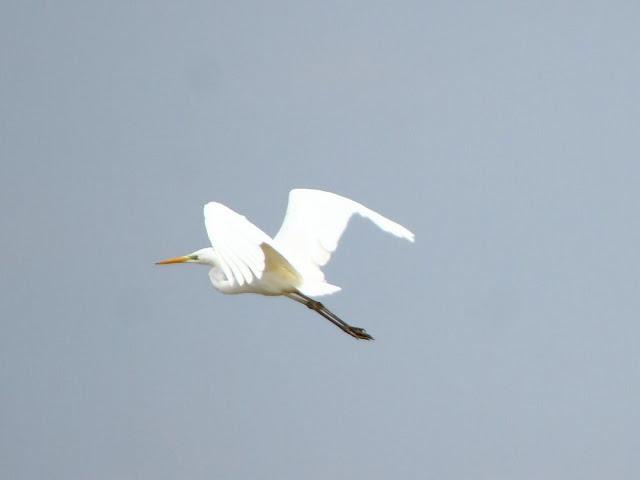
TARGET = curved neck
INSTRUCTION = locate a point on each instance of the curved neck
(207, 256)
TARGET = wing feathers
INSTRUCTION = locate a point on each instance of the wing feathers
(315, 221)
(385, 224)
(237, 243)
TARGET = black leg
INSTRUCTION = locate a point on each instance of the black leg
(355, 332)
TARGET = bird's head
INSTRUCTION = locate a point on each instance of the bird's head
(204, 256)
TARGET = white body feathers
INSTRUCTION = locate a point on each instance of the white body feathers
(247, 260)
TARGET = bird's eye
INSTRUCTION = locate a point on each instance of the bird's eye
(193, 257)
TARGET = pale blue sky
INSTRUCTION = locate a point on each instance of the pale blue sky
(505, 134)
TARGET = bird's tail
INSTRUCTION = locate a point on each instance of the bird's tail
(318, 289)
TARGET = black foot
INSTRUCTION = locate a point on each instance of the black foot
(355, 332)
(359, 333)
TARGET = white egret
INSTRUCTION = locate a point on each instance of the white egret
(244, 259)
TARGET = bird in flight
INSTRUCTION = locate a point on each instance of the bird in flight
(244, 259)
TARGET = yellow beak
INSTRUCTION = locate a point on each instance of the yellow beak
(169, 261)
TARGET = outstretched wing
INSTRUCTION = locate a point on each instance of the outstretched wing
(315, 221)
(237, 243)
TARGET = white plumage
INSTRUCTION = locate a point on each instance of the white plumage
(312, 227)
(244, 259)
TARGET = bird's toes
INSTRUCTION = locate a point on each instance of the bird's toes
(361, 333)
